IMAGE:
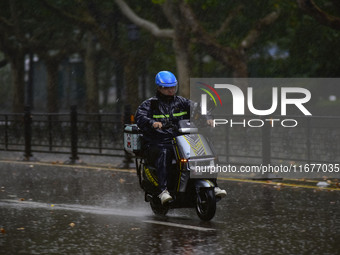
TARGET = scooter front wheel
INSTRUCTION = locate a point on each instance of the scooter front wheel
(158, 208)
(206, 204)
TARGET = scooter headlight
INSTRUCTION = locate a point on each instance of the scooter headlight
(201, 166)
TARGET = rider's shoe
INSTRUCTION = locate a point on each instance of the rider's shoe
(220, 192)
(165, 197)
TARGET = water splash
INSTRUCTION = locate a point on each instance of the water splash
(127, 212)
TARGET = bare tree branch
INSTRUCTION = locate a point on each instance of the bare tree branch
(216, 50)
(171, 13)
(88, 20)
(151, 27)
(309, 7)
(253, 34)
(5, 22)
(233, 57)
(228, 20)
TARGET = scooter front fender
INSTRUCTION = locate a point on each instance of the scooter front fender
(204, 183)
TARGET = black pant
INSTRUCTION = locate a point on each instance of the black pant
(160, 156)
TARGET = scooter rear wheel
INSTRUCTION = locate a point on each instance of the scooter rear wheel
(206, 204)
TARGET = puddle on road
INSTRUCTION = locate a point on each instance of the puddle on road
(44, 228)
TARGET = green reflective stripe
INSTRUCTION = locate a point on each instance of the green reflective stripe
(161, 116)
(179, 114)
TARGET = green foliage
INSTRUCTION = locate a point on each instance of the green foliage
(296, 45)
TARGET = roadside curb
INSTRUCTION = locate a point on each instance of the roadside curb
(290, 183)
(60, 164)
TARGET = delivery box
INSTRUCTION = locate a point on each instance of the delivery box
(132, 139)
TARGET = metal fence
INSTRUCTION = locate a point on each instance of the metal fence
(314, 139)
(74, 133)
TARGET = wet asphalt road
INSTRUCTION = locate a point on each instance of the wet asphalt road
(55, 209)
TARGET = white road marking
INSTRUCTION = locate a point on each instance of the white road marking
(178, 225)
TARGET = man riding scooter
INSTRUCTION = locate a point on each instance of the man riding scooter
(157, 117)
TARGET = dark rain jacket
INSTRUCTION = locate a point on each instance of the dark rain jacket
(165, 109)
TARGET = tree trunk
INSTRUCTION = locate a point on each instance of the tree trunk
(180, 42)
(107, 84)
(18, 82)
(183, 66)
(131, 85)
(91, 76)
(52, 85)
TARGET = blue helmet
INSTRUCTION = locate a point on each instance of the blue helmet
(166, 79)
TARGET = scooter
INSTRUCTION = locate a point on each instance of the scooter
(187, 186)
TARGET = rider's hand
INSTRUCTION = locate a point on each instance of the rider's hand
(157, 125)
(210, 122)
